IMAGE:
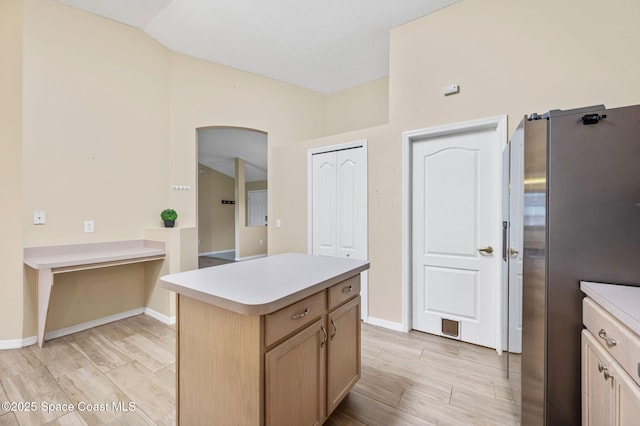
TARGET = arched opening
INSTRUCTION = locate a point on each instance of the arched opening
(232, 194)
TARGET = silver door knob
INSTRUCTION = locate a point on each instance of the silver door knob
(486, 250)
(513, 252)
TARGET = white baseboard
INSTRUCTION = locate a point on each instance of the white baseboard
(18, 343)
(94, 323)
(396, 326)
(160, 317)
(215, 252)
(240, 259)
(28, 341)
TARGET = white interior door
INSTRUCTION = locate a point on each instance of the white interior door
(338, 198)
(324, 204)
(455, 215)
(257, 207)
(515, 249)
(352, 203)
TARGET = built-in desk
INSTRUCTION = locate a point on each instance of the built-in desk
(52, 260)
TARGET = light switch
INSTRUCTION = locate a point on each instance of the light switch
(278, 223)
(38, 217)
(88, 226)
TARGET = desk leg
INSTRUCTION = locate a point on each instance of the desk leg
(45, 282)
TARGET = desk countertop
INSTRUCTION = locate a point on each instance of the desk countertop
(264, 285)
(50, 257)
(621, 301)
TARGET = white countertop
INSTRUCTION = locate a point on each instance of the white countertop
(621, 301)
(264, 285)
(50, 257)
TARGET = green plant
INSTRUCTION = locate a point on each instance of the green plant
(169, 214)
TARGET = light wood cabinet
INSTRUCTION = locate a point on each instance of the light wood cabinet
(597, 390)
(610, 370)
(626, 408)
(295, 374)
(289, 367)
(343, 352)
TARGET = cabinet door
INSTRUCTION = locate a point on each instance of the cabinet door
(343, 353)
(597, 389)
(627, 398)
(295, 379)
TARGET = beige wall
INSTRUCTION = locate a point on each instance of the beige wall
(514, 57)
(250, 240)
(205, 94)
(366, 105)
(216, 221)
(109, 119)
(11, 321)
(508, 58)
(95, 146)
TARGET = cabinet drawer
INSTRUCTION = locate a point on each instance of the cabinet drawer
(626, 349)
(287, 320)
(346, 290)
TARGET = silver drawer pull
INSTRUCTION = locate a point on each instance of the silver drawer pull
(347, 289)
(302, 315)
(605, 371)
(606, 374)
(333, 333)
(610, 341)
(324, 336)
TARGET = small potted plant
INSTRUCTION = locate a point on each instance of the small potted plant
(169, 216)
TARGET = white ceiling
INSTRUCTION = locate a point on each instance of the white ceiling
(219, 146)
(323, 45)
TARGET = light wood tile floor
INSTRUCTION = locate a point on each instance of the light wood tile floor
(407, 379)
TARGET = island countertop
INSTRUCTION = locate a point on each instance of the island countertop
(264, 285)
(623, 302)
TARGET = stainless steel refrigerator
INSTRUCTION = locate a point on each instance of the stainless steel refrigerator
(581, 222)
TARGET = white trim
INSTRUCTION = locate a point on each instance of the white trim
(93, 323)
(216, 252)
(396, 326)
(499, 123)
(160, 317)
(18, 343)
(364, 306)
(240, 259)
(32, 340)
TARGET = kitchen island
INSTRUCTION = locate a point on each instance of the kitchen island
(270, 341)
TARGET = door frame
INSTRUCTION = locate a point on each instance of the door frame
(499, 123)
(364, 288)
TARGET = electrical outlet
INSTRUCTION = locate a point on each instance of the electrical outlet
(39, 217)
(88, 226)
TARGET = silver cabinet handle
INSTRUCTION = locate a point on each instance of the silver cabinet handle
(302, 315)
(605, 371)
(606, 374)
(324, 336)
(347, 289)
(603, 335)
(333, 333)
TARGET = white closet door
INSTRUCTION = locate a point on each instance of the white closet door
(324, 204)
(352, 208)
(338, 208)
